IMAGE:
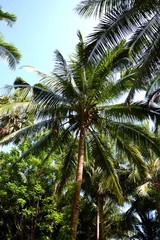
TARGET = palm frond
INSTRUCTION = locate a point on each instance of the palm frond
(47, 140)
(104, 159)
(143, 189)
(155, 84)
(68, 166)
(109, 33)
(43, 96)
(80, 50)
(98, 8)
(40, 144)
(134, 156)
(150, 64)
(132, 112)
(39, 72)
(61, 67)
(101, 78)
(14, 107)
(58, 142)
(22, 133)
(143, 36)
(9, 18)
(153, 97)
(55, 84)
(122, 85)
(9, 53)
(138, 21)
(135, 134)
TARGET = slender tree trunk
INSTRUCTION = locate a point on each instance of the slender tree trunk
(78, 183)
(158, 210)
(97, 224)
(101, 217)
(32, 230)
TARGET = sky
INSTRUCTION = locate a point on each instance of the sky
(42, 26)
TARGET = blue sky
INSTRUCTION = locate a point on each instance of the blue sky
(42, 27)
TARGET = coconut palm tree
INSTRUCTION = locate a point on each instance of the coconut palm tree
(136, 21)
(97, 184)
(151, 187)
(78, 98)
(8, 51)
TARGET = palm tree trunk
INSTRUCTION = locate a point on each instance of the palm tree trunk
(158, 210)
(78, 183)
(101, 217)
(97, 224)
(32, 233)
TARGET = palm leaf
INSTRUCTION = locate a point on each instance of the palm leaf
(9, 18)
(105, 161)
(68, 166)
(61, 67)
(26, 131)
(153, 85)
(140, 136)
(108, 33)
(9, 53)
(14, 107)
(97, 8)
(132, 112)
(40, 144)
(134, 156)
(134, 20)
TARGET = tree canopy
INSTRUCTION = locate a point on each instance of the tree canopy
(84, 148)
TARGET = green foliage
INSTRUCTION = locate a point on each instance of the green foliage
(29, 206)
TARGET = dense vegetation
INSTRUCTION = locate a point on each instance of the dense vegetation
(85, 160)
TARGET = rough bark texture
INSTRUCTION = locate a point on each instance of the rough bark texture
(76, 197)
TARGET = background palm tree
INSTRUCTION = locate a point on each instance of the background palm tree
(78, 98)
(151, 187)
(12, 121)
(97, 186)
(141, 215)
